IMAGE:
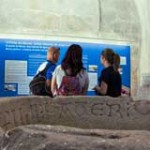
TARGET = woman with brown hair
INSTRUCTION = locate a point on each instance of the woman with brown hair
(110, 79)
(70, 78)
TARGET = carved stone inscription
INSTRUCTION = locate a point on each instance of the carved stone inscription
(50, 112)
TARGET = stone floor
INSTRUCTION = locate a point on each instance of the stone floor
(46, 137)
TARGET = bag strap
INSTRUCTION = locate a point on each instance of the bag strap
(43, 72)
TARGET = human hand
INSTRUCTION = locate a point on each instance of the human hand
(95, 88)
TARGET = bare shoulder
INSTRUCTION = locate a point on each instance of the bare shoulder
(83, 72)
(59, 67)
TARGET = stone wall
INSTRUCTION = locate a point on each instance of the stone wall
(82, 112)
(115, 21)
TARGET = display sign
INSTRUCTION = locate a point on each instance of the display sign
(19, 60)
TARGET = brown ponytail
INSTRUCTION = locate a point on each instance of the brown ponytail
(116, 63)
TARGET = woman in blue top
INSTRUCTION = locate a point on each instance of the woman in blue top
(110, 79)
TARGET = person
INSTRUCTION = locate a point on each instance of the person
(71, 66)
(50, 65)
(110, 79)
(125, 91)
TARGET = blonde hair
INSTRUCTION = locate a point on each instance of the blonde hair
(53, 50)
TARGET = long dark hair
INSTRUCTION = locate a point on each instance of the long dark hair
(72, 62)
(112, 58)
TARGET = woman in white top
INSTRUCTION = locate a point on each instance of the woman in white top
(71, 65)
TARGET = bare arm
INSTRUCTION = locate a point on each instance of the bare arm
(53, 85)
(48, 83)
(86, 83)
(85, 89)
(102, 89)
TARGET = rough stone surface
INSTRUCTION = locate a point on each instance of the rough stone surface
(82, 112)
(1, 133)
(40, 137)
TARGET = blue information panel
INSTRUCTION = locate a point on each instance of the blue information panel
(19, 60)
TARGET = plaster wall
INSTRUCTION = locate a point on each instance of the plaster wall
(115, 21)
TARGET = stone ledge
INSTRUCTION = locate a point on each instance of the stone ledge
(81, 111)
